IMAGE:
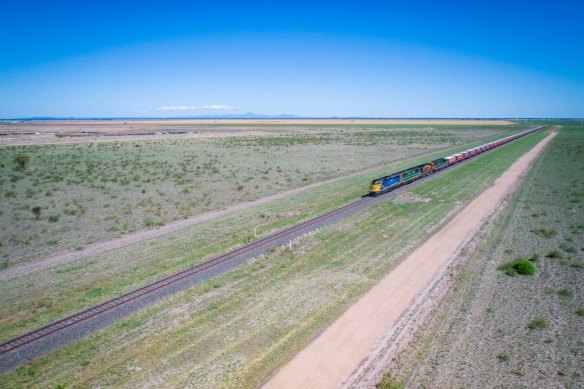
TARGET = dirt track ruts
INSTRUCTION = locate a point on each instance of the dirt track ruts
(330, 358)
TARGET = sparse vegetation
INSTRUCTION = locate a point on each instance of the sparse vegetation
(262, 313)
(36, 211)
(565, 293)
(21, 160)
(554, 254)
(540, 302)
(172, 179)
(545, 232)
(389, 383)
(537, 323)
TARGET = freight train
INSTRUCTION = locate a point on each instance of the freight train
(392, 181)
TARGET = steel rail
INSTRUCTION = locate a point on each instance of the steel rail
(41, 332)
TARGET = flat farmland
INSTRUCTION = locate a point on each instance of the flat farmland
(515, 314)
(237, 329)
(97, 191)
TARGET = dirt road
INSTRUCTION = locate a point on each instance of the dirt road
(329, 360)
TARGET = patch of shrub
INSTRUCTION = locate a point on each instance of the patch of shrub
(567, 248)
(554, 254)
(389, 383)
(149, 223)
(54, 218)
(21, 160)
(580, 311)
(545, 233)
(503, 357)
(537, 323)
(36, 211)
(534, 257)
(519, 266)
(565, 293)
(45, 303)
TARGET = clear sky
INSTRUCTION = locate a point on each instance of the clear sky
(333, 58)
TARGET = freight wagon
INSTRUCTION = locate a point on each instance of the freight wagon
(390, 182)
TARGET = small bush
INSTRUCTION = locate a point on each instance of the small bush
(565, 293)
(545, 233)
(388, 383)
(36, 211)
(519, 266)
(22, 160)
(54, 218)
(537, 323)
(45, 303)
(534, 257)
(503, 357)
(580, 311)
(567, 248)
(554, 254)
(149, 223)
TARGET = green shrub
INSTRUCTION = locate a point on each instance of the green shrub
(36, 211)
(554, 254)
(45, 303)
(534, 257)
(54, 218)
(565, 293)
(149, 222)
(580, 311)
(503, 357)
(545, 233)
(388, 383)
(567, 248)
(519, 266)
(22, 160)
(537, 323)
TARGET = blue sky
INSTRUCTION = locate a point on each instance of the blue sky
(376, 59)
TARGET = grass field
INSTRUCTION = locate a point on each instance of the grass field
(64, 290)
(90, 192)
(238, 328)
(497, 327)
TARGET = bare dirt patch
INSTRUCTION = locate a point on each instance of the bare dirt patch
(409, 197)
(331, 357)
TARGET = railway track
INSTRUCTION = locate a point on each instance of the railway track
(72, 320)
(10, 348)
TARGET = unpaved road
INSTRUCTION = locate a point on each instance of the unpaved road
(329, 359)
